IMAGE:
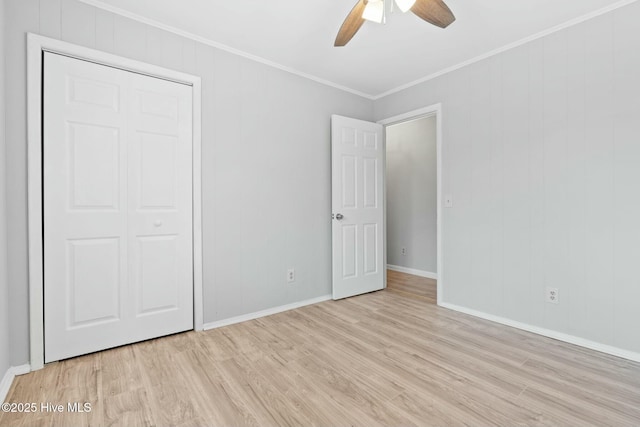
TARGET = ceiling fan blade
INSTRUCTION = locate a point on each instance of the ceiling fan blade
(434, 12)
(351, 24)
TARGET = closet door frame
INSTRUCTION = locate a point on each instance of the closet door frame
(36, 46)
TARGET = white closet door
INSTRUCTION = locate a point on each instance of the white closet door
(117, 172)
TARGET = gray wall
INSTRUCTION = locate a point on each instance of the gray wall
(541, 155)
(411, 194)
(265, 157)
(4, 288)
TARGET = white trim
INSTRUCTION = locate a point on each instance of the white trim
(198, 280)
(264, 313)
(125, 13)
(509, 46)
(560, 336)
(34, 203)
(415, 272)
(35, 46)
(412, 115)
(439, 250)
(122, 12)
(385, 255)
(8, 377)
(5, 384)
(21, 369)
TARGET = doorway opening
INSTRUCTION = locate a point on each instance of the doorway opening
(412, 200)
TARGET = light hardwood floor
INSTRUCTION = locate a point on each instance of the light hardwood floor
(412, 286)
(386, 358)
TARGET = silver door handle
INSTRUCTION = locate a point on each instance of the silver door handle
(339, 216)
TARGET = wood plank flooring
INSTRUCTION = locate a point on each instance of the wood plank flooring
(387, 358)
(412, 286)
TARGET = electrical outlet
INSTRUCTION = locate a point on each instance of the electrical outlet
(403, 251)
(291, 275)
(551, 295)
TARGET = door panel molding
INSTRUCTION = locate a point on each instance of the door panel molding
(357, 185)
(36, 45)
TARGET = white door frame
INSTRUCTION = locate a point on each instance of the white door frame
(36, 45)
(431, 110)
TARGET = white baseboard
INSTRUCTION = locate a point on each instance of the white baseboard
(263, 313)
(7, 380)
(421, 273)
(560, 336)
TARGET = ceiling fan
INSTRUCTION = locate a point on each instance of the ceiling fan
(433, 11)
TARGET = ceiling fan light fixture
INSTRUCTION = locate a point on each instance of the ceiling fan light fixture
(405, 5)
(435, 12)
(374, 11)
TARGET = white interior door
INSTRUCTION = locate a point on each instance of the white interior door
(357, 206)
(117, 177)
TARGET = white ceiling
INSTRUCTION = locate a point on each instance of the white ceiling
(299, 34)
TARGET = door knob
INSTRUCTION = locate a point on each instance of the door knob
(339, 216)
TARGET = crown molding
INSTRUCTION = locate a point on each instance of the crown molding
(126, 14)
(509, 46)
(575, 21)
